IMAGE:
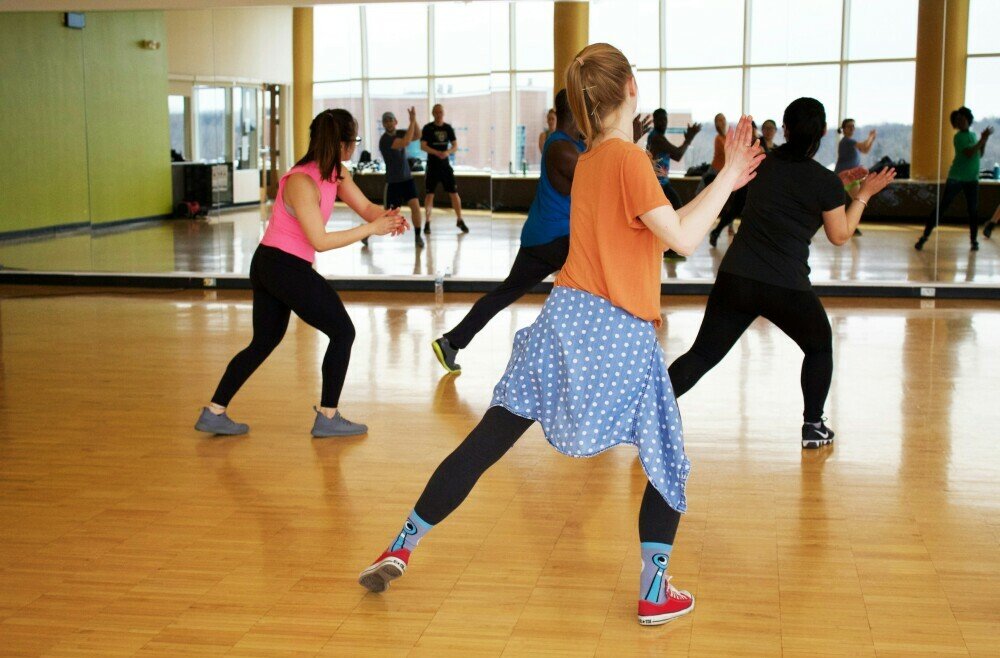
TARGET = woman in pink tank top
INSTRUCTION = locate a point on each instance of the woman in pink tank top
(284, 280)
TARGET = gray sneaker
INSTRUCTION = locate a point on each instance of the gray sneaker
(219, 424)
(446, 353)
(336, 426)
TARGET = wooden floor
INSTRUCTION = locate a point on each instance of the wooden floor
(224, 244)
(125, 532)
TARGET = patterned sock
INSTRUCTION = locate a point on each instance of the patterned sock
(413, 531)
(653, 579)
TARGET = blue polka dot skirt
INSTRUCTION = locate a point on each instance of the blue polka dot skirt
(593, 375)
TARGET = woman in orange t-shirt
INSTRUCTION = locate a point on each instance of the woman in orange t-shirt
(590, 369)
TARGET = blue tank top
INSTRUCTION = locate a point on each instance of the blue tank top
(548, 217)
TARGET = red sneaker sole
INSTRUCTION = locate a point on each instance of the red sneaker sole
(377, 577)
(656, 620)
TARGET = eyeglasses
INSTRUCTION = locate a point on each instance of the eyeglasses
(357, 140)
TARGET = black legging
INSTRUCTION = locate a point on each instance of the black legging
(951, 189)
(732, 210)
(531, 266)
(495, 434)
(733, 304)
(283, 283)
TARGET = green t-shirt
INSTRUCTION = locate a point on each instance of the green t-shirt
(964, 168)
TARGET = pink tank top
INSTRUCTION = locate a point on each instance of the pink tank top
(283, 230)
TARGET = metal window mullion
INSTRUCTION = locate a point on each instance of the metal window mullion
(845, 21)
(366, 100)
(662, 68)
(512, 59)
(431, 87)
(747, 21)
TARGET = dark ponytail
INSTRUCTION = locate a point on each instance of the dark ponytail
(805, 124)
(328, 133)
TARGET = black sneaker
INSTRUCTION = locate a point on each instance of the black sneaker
(816, 437)
(427, 227)
(417, 240)
(364, 242)
(445, 353)
(857, 233)
(713, 239)
(670, 254)
(974, 247)
(920, 244)
(988, 229)
(461, 226)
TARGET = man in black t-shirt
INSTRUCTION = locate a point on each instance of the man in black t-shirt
(438, 140)
(399, 187)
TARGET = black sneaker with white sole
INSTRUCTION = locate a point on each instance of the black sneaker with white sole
(816, 437)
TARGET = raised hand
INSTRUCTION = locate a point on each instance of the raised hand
(692, 130)
(390, 222)
(875, 183)
(987, 132)
(743, 152)
(640, 126)
(412, 111)
(872, 134)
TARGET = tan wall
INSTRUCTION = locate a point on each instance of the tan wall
(244, 45)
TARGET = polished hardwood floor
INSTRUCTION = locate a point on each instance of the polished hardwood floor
(125, 532)
(224, 244)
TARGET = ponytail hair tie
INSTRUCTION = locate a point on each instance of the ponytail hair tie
(579, 60)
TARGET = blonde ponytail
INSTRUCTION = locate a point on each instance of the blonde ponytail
(595, 83)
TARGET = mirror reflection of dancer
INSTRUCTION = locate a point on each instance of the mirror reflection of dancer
(544, 237)
(766, 271)
(663, 152)
(284, 280)
(590, 369)
(438, 140)
(400, 189)
(733, 209)
(550, 127)
(768, 130)
(963, 176)
(849, 150)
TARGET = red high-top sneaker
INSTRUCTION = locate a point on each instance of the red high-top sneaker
(388, 567)
(677, 604)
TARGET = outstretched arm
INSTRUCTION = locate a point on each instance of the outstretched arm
(301, 198)
(684, 230)
(840, 224)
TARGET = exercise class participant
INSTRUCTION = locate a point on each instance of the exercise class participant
(768, 130)
(400, 189)
(544, 237)
(439, 142)
(550, 127)
(963, 176)
(732, 210)
(284, 280)
(663, 152)
(849, 150)
(590, 369)
(765, 272)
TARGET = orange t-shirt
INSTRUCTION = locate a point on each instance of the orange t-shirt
(611, 252)
(719, 157)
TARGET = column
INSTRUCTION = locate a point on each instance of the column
(570, 34)
(939, 86)
(302, 78)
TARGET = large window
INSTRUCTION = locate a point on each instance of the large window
(375, 58)
(698, 58)
(982, 92)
